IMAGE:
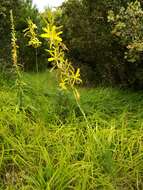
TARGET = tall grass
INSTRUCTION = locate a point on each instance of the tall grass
(49, 146)
(70, 157)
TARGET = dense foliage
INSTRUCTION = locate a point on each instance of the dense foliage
(87, 33)
(23, 9)
(127, 26)
(95, 44)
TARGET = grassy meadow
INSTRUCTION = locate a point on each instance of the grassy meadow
(49, 146)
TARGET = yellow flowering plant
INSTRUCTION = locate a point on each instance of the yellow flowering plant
(30, 32)
(69, 77)
(19, 84)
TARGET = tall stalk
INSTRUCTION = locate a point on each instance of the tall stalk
(18, 82)
(69, 76)
(30, 32)
(37, 67)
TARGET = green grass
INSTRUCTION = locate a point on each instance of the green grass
(49, 146)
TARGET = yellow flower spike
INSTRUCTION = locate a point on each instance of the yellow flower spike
(30, 33)
(68, 75)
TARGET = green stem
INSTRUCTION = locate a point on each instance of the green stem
(19, 87)
(37, 69)
(79, 106)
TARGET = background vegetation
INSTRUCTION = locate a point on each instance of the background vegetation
(93, 45)
(88, 35)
